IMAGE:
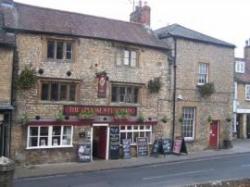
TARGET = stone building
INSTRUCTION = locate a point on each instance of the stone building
(242, 95)
(92, 84)
(202, 76)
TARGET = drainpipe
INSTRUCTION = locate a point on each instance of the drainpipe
(174, 91)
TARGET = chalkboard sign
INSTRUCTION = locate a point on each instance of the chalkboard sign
(179, 146)
(126, 148)
(166, 146)
(84, 152)
(114, 145)
(156, 148)
(142, 147)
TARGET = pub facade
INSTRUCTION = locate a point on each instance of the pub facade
(93, 77)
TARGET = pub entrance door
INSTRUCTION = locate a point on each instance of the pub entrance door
(100, 141)
(214, 135)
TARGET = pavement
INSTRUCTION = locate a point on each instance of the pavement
(239, 146)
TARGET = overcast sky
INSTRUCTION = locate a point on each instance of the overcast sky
(227, 20)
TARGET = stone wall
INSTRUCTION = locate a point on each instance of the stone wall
(90, 56)
(241, 97)
(6, 56)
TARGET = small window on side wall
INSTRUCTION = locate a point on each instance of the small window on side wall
(240, 67)
(127, 58)
(247, 92)
(59, 50)
(203, 74)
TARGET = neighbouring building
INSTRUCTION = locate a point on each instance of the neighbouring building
(242, 95)
(92, 81)
(202, 72)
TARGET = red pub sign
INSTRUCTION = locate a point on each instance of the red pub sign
(102, 86)
(99, 110)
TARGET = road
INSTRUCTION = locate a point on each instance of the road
(167, 174)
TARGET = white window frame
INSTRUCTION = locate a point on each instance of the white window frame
(189, 138)
(133, 130)
(240, 67)
(128, 58)
(202, 73)
(50, 135)
(247, 89)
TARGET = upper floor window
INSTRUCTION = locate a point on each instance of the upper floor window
(125, 94)
(59, 50)
(203, 74)
(188, 123)
(58, 91)
(127, 58)
(240, 66)
(247, 92)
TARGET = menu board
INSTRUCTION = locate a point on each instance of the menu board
(84, 152)
(179, 146)
(166, 146)
(142, 147)
(155, 148)
(126, 144)
(114, 145)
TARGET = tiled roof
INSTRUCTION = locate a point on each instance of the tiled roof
(183, 32)
(243, 77)
(37, 19)
(7, 39)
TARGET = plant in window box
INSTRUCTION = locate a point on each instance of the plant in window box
(154, 85)
(59, 116)
(27, 79)
(121, 115)
(206, 90)
(86, 115)
(140, 118)
(23, 119)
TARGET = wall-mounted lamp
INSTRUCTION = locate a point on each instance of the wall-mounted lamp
(179, 97)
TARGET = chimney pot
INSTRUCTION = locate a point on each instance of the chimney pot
(141, 14)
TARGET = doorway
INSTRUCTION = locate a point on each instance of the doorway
(214, 135)
(100, 141)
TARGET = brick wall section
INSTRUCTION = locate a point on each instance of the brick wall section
(90, 56)
(219, 106)
(6, 56)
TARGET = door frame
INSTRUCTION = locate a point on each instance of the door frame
(107, 138)
(218, 133)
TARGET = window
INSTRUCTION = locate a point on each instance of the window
(125, 94)
(240, 66)
(58, 91)
(203, 74)
(134, 131)
(49, 136)
(59, 50)
(127, 58)
(247, 92)
(188, 123)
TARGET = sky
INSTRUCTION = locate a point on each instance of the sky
(223, 19)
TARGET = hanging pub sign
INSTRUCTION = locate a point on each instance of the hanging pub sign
(114, 145)
(102, 86)
(179, 146)
(142, 147)
(99, 110)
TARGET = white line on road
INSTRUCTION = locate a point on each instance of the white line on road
(178, 174)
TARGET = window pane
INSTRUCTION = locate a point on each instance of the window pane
(72, 92)
(63, 92)
(68, 51)
(50, 49)
(33, 142)
(67, 130)
(136, 91)
(126, 58)
(122, 94)
(56, 130)
(148, 135)
(133, 59)
(129, 135)
(43, 141)
(56, 141)
(33, 131)
(54, 92)
(114, 94)
(188, 122)
(59, 50)
(129, 127)
(136, 135)
(45, 91)
(44, 131)
(123, 136)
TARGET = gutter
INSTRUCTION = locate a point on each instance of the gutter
(174, 92)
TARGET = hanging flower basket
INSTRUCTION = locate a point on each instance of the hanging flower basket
(154, 85)
(207, 89)
(27, 79)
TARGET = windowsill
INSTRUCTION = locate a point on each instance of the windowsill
(57, 102)
(63, 61)
(124, 104)
(49, 147)
(201, 84)
(189, 140)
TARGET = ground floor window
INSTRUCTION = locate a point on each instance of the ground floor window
(134, 131)
(49, 136)
(188, 123)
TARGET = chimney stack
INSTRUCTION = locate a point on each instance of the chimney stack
(141, 14)
(247, 50)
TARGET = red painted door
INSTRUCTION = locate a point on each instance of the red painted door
(214, 134)
(102, 142)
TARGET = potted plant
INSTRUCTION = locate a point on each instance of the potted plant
(140, 118)
(86, 115)
(59, 116)
(121, 115)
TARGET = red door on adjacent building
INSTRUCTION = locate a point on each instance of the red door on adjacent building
(214, 135)
(102, 142)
